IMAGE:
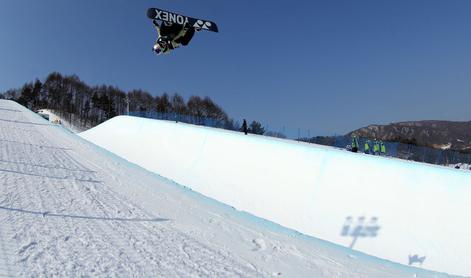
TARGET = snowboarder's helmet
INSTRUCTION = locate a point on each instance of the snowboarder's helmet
(163, 43)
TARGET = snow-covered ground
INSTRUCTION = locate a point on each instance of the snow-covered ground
(71, 209)
(406, 212)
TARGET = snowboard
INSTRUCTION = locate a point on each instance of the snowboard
(166, 16)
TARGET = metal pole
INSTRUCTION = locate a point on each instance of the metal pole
(127, 105)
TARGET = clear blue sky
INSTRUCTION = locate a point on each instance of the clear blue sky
(326, 66)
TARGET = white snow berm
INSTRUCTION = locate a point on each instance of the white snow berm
(405, 212)
(71, 209)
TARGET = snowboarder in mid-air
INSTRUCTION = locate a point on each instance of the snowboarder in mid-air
(174, 30)
(171, 36)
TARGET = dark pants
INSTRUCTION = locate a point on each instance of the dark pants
(185, 40)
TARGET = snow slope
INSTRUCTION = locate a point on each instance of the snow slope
(71, 209)
(405, 212)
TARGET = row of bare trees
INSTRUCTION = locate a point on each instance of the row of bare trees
(86, 106)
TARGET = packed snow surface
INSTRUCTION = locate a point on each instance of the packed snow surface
(71, 209)
(409, 213)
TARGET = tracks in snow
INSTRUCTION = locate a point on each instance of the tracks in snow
(59, 217)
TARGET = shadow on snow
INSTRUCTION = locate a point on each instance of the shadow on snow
(48, 214)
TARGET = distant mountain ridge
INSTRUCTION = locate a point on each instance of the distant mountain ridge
(436, 134)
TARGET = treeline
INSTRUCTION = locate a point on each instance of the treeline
(85, 106)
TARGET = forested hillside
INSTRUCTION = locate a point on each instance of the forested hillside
(86, 106)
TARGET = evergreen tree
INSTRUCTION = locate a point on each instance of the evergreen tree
(36, 94)
(256, 128)
(26, 96)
